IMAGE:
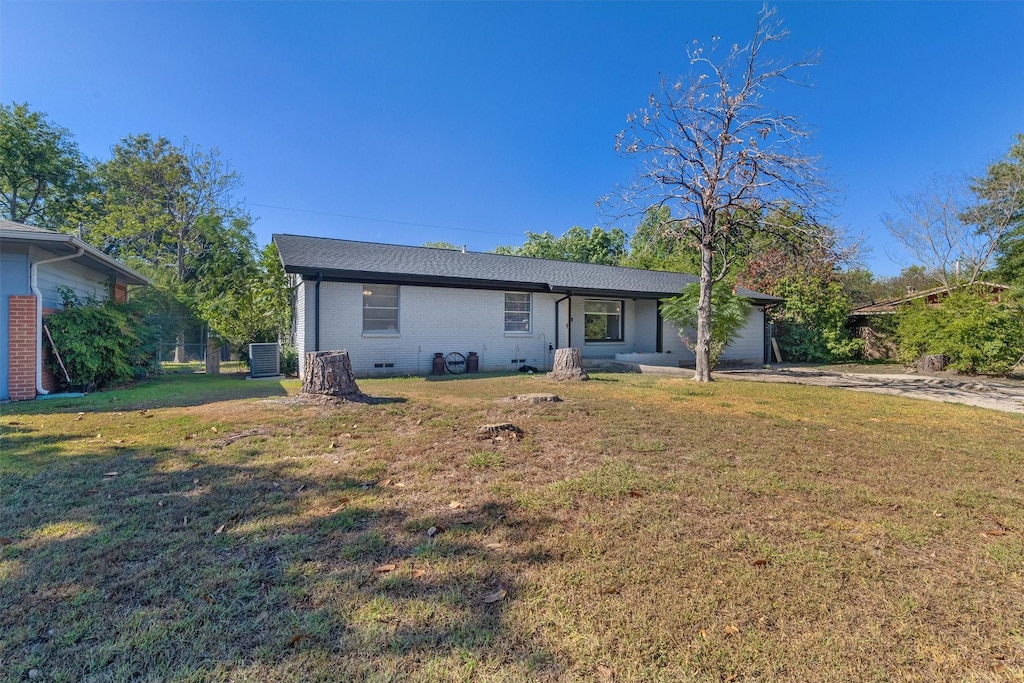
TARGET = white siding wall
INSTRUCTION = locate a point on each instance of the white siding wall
(86, 283)
(749, 345)
(300, 321)
(431, 320)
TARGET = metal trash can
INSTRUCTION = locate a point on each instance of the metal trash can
(438, 366)
(473, 362)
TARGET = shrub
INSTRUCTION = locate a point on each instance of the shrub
(812, 321)
(101, 343)
(289, 360)
(977, 334)
(729, 314)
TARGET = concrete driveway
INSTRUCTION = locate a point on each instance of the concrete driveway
(1006, 396)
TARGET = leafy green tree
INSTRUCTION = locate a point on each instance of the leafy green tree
(442, 245)
(42, 174)
(1001, 191)
(653, 246)
(601, 246)
(712, 149)
(729, 315)
(171, 208)
(811, 323)
(977, 333)
(250, 301)
(156, 196)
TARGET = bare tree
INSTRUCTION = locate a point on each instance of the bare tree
(953, 232)
(723, 161)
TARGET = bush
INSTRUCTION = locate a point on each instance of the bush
(101, 343)
(812, 321)
(977, 334)
(289, 360)
(729, 314)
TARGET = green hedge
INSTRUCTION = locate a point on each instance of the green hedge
(101, 343)
(977, 334)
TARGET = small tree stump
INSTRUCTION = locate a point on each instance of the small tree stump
(932, 363)
(329, 373)
(500, 431)
(568, 365)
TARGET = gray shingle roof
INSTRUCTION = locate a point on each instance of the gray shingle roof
(348, 260)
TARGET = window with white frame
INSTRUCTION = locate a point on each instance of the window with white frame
(517, 311)
(602, 320)
(380, 309)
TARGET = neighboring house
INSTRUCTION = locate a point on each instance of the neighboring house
(34, 264)
(393, 307)
(874, 322)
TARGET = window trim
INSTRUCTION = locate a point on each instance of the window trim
(398, 311)
(529, 314)
(622, 322)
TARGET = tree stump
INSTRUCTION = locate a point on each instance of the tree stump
(568, 366)
(329, 373)
(932, 363)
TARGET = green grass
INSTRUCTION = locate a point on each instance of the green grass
(202, 528)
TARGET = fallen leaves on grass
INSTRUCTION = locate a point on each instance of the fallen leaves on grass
(496, 596)
(456, 505)
(80, 416)
(760, 562)
(417, 573)
(341, 505)
(220, 529)
(296, 639)
(5, 541)
(208, 598)
(495, 546)
(732, 630)
(385, 568)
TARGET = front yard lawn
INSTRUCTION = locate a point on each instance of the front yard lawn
(209, 528)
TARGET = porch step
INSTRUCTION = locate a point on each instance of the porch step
(609, 365)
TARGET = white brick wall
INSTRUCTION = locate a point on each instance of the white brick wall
(437, 319)
(431, 320)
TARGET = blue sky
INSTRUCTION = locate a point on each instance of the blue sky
(475, 122)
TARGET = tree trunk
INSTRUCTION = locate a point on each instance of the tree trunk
(212, 356)
(329, 373)
(179, 347)
(702, 349)
(568, 365)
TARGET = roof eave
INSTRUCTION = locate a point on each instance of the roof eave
(73, 244)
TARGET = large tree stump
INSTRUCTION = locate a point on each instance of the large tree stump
(329, 373)
(932, 363)
(568, 365)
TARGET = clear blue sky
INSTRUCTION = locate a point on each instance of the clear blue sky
(475, 122)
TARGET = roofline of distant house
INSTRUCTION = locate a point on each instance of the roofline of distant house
(889, 306)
